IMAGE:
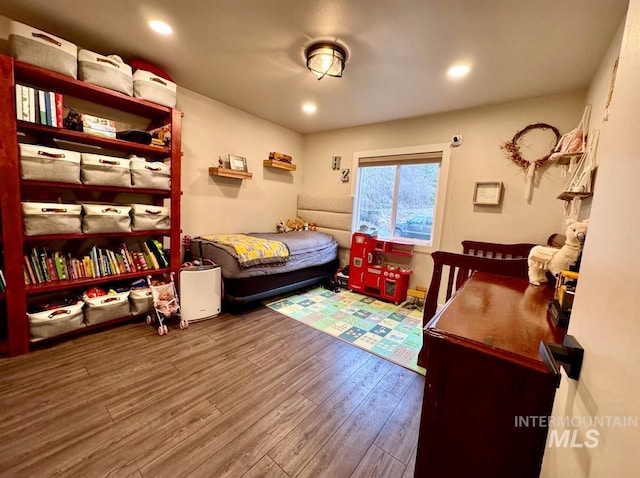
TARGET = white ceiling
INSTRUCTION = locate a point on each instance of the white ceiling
(249, 53)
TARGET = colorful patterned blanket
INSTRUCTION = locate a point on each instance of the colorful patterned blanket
(252, 250)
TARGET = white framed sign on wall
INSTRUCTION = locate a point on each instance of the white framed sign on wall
(488, 193)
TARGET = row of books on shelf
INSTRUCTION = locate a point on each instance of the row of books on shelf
(39, 106)
(42, 266)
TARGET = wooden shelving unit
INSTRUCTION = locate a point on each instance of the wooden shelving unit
(14, 190)
(230, 173)
(274, 163)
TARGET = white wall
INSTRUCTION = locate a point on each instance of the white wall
(218, 204)
(605, 313)
(479, 158)
(597, 97)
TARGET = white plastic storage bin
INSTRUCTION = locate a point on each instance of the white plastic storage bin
(106, 307)
(49, 164)
(101, 218)
(39, 48)
(150, 174)
(49, 323)
(150, 87)
(51, 218)
(150, 218)
(97, 170)
(107, 71)
(141, 301)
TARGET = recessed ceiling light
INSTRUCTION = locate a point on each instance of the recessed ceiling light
(458, 71)
(309, 108)
(160, 27)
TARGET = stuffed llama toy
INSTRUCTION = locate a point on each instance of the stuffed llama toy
(542, 258)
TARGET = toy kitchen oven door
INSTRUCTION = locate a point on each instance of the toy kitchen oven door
(395, 284)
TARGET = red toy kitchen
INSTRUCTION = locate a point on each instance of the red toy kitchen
(379, 268)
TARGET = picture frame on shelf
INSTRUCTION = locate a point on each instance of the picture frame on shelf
(237, 163)
(488, 193)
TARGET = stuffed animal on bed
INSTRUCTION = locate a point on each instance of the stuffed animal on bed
(296, 224)
(542, 258)
(282, 227)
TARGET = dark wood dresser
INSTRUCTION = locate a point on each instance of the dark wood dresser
(483, 372)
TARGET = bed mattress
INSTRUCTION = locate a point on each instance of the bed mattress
(306, 249)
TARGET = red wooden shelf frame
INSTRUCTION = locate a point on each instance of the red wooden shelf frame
(32, 183)
(14, 190)
(82, 236)
(80, 283)
(84, 138)
(36, 76)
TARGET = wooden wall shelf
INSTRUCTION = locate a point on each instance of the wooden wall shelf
(273, 163)
(569, 195)
(230, 173)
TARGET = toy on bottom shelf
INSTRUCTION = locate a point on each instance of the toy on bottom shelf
(542, 258)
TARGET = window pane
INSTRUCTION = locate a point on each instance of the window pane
(416, 201)
(376, 198)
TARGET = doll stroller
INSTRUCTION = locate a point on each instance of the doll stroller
(165, 305)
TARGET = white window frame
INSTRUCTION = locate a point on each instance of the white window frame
(444, 149)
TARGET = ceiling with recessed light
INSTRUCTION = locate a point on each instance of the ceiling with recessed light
(249, 54)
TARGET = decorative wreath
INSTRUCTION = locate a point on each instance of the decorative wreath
(512, 147)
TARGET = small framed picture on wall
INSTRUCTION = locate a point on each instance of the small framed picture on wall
(488, 193)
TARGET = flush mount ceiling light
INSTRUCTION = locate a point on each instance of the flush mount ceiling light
(160, 27)
(458, 71)
(309, 108)
(326, 59)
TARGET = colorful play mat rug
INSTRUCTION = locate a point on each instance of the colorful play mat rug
(390, 331)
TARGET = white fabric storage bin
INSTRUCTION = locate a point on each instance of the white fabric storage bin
(50, 323)
(107, 71)
(147, 217)
(140, 301)
(106, 307)
(51, 218)
(49, 164)
(150, 87)
(42, 49)
(97, 170)
(99, 218)
(150, 174)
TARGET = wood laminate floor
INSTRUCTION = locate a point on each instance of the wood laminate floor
(255, 394)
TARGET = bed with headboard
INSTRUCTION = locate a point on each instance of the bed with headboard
(259, 265)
